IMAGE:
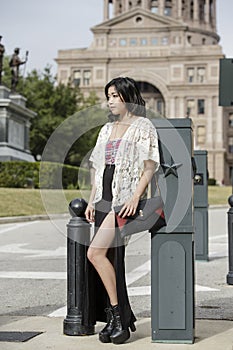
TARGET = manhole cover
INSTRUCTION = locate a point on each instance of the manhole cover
(17, 336)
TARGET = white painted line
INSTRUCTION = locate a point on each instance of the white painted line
(20, 248)
(205, 289)
(59, 312)
(218, 254)
(217, 237)
(131, 277)
(136, 291)
(146, 290)
(34, 275)
(133, 291)
(16, 226)
(137, 273)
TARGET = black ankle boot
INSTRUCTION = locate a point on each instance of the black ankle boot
(119, 335)
(104, 334)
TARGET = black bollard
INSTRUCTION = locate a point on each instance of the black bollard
(79, 320)
(230, 241)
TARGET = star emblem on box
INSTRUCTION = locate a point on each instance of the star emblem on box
(171, 169)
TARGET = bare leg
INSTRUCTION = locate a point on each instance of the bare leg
(97, 254)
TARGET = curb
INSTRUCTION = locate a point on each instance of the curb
(219, 206)
(14, 219)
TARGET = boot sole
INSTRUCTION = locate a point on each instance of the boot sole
(104, 338)
(121, 339)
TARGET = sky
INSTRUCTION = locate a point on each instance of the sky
(43, 27)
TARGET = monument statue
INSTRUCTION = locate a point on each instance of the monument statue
(14, 63)
(2, 50)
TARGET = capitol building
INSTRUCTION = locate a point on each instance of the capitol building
(171, 48)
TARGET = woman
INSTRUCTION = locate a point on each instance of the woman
(125, 158)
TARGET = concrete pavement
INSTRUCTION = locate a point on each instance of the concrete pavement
(214, 312)
(210, 335)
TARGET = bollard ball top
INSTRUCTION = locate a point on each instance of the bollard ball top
(230, 200)
(77, 207)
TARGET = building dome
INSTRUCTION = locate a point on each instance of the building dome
(196, 13)
(171, 48)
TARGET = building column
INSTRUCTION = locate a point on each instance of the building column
(172, 111)
(207, 11)
(106, 10)
(161, 7)
(209, 124)
(188, 11)
(182, 107)
(196, 11)
(177, 108)
(144, 4)
(214, 14)
(114, 3)
(179, 9)
(219, 123)
(174, 9)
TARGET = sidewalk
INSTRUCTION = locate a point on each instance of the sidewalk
(210, 335)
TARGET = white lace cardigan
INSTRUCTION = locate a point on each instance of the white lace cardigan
(139, 143)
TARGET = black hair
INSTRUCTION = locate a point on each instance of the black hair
(129, 93)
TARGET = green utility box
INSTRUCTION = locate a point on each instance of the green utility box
(172, 253)
(201, 206)
(226, 82)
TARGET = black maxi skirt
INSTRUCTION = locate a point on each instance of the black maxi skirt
(116, 254)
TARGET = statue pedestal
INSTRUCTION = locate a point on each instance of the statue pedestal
(14, 126)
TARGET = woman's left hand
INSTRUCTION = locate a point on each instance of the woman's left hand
(129, 207)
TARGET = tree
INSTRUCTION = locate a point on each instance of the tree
(89, 122)
(53, 103)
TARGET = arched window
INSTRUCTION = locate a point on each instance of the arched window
(154, 6)
(168, 8)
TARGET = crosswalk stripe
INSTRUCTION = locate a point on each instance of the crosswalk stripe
(132, 291)
(16, 226)
(34, 275)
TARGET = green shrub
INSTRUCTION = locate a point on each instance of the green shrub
(21, 174)
(211, 182)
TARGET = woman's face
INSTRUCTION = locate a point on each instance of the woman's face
(115, 102)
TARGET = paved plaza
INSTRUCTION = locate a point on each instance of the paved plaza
(33, 287)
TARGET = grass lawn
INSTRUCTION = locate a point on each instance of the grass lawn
(219, 194)
(20, 202)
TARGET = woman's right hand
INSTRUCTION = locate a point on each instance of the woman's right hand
(90, 213)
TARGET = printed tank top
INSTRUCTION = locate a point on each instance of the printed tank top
(111, 151)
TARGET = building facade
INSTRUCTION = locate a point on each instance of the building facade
(171, 48)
